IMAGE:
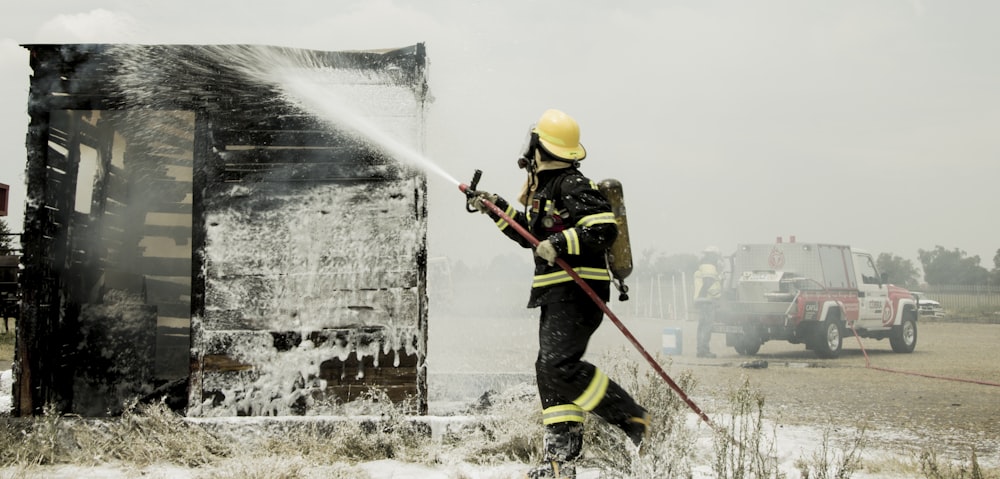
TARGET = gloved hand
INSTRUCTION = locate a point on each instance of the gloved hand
(476, 201)
(546, 251)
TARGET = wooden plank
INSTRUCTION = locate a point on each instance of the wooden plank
(160, 291)
(172, 208)
(352, 379)
(346, 380)
(179, 234)
(281, 137)
(78, 101)
(222, 362)
(228, 125)
(223, 342)
(173, 310)
(173, 351)
(396, 393)
(352, 155)
(165, 266)
(312, 173)
(161, 190)
(335, 271)
(236, 304)
(57, 160)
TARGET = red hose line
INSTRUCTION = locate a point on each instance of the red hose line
(604, 307)
(868, 365)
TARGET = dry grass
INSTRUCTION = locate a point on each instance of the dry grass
(506, 429)
(143, 435)
(834, 463)
(669, 449)
(932, 468)
(748, 448)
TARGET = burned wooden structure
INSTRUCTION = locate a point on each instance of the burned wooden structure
(196, 232)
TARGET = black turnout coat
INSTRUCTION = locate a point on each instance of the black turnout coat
(570, 211)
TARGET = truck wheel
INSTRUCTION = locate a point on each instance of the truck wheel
(904, 336)
(828, 341)
(747, 345)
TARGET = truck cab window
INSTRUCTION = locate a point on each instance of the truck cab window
(869, 275)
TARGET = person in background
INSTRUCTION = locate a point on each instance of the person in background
(573, 220)
(707, 290)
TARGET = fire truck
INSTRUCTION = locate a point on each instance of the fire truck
(812, 294)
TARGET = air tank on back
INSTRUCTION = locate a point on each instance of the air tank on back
(620, 254)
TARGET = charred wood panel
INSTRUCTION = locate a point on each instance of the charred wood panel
(182, 133)
(308, 373)
(342, 308)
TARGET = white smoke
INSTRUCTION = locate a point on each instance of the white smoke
(95, 26)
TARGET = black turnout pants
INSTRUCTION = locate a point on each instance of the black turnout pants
(564, 330)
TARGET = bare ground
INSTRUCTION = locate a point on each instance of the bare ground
(945, 395)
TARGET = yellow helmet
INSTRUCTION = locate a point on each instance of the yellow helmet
(559, 134)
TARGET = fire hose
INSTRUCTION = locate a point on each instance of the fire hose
(470, 191)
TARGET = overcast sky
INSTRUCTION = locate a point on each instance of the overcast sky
(874, 123)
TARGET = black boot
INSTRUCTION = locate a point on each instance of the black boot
(553, 469)
(563, 444)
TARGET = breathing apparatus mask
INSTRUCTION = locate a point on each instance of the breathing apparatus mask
(528, 149)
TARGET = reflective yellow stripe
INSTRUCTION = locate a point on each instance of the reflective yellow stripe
(594, 393)
(572, 241)
(599, 218)
(549, 138)
(562, 413)
(549, 279)
(502, 223)
(644, 420)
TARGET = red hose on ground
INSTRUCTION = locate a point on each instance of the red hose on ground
(604, 307)
(868, 365)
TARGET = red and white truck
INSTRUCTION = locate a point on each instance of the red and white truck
(812, 294)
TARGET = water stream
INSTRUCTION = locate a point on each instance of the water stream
(335, 95)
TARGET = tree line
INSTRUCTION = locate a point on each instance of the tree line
(940, 266)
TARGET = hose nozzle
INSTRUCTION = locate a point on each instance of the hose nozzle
(470, 189)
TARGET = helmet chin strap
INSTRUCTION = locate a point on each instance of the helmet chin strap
(572, 163)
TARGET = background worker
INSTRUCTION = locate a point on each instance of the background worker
(573, 220)
(707, 290)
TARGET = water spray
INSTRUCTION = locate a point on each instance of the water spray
(295, 80)
(470, 191)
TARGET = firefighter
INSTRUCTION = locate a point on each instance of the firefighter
(707, 290)
(573, 220)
